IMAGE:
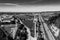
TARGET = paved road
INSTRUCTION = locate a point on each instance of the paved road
(50, 36)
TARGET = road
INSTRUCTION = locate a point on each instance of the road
(48, 32)
(49, 35)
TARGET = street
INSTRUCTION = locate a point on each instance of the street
(48, 32)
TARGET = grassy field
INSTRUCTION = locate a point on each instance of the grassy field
(30, 24)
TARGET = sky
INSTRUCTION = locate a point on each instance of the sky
(30, 2)
(28, 8)
(29, 5)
